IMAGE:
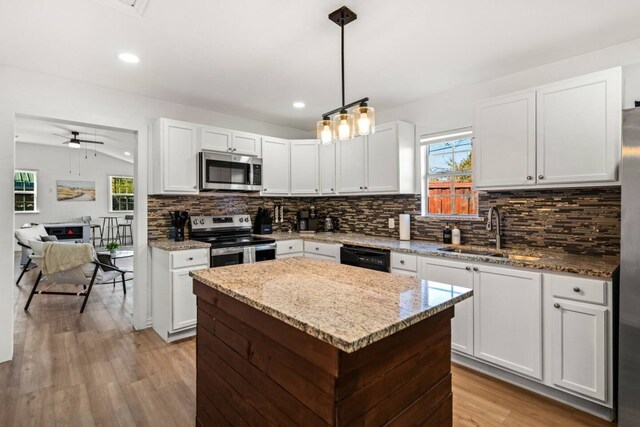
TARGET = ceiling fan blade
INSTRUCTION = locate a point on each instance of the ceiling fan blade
(89, 142)
(62, 136)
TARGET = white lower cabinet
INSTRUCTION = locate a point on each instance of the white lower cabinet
(579, 347)
(289, 248)
(323, 251)
(508, 319)
(174, 310)
(459, 274)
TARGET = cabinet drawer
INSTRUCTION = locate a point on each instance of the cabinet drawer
(325, 249)
(289, 247)
(406, 262)
(189, 258)
(578, 289)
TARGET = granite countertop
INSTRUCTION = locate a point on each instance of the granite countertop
(596, 266)
(172, 245)
(347, 307)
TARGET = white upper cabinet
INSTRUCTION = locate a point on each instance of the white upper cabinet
(175, 165)
(507, 309)
(578, 123)
(352, 165)
(215, 139)
(383, 162)
(328, 169)
(246, 143)
(275, 167)
(304, 167)
(382, 159)
(504, 146)
(566, 134)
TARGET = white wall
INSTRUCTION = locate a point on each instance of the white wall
(40, 95)
(53, 164)
(454, 109)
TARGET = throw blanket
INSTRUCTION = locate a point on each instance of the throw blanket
(65, 256)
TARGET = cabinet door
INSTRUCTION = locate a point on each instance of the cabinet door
(458, 274)
(275, 166)
(351, 169)
(246, 143)
(179, 154)
(579, 126)
(382, 159)
(508, 319)
(328, 168)
(504, 147)
(184, 311)
(215, 139)
(579, 348)
(304, 166)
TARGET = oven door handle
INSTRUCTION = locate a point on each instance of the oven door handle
(265, 247)
(227, 251)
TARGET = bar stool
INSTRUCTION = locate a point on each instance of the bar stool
(127, 225)
(110, 229)
(94, 227)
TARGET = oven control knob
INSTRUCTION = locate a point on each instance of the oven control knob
(202, 221)
(241, 219)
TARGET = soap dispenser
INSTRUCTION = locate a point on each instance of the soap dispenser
(455, 234)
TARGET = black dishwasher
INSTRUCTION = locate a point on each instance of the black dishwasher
(374, 259)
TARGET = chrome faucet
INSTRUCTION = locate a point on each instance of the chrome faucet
(493, 209)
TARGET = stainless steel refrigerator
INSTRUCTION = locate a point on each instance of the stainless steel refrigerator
(629, 285)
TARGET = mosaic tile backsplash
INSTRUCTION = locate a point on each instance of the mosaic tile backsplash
(577, 221)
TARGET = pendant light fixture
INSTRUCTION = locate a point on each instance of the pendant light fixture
(345, 124)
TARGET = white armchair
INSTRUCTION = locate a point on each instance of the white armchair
(35, 233)
(80, 267)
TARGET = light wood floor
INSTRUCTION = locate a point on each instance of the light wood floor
(94, 369)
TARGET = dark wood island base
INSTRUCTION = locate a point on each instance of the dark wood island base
(254, 369)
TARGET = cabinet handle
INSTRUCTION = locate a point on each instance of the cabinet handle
(556, 305)
(316, 190)
(233, 149)
(332, 189)
(475, 268)
(317, 249)
(195, 186)
(290, 248)
(362, 188)
(468, 268)
(401, 261)
(366, 188)
(529, 178)
(265, 190)
(576, 289)
(229, 149)
(540, 176)
(190, 258)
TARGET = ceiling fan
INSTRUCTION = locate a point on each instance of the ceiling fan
(74, 142)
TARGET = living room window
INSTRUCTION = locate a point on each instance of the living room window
(25, 189)
(121, 192)
(447, 179)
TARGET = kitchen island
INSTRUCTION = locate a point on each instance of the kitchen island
(306, 342)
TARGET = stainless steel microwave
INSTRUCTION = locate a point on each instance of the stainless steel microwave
(222, 171)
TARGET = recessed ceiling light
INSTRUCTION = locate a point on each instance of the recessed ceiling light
(129, 58)
(298, 104)
(126, 153)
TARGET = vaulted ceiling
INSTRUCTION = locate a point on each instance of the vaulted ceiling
(254, 58)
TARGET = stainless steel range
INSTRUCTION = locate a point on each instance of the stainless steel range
(231, 239)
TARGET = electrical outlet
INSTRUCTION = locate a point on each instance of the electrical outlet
(392, 223)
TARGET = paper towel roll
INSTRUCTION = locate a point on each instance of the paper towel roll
(405, 227)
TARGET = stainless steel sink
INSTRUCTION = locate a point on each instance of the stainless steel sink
(518, 257)
(488, 253)
(467, 251)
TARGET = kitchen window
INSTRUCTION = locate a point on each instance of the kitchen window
(25, 190)
(447, 178)
(121, 194)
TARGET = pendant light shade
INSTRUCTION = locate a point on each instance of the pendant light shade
(324, 130)
(343, 124)
(74, 144)
(343, 129)
(365, 120)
